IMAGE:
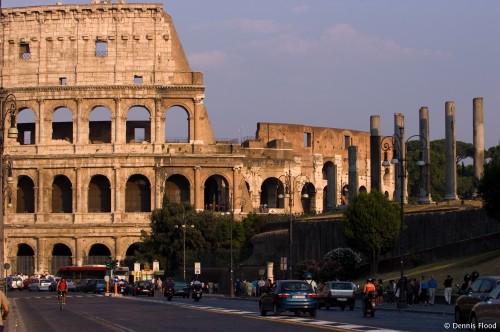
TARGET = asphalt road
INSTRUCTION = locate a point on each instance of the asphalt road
(88, 312)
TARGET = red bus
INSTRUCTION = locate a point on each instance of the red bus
(82, 272)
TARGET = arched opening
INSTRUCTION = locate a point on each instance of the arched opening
(344, 199)
(25, 202)
(138, 125)
(62, 125)
(138, 194)
(25, 259)
(130, 258)
(100, 125)
(62, 196)
(176, 125)
(363, 189)
(177, 189)
(216, 193)
(26, 125)
(99, 196)
(98, 254)
(330, 194)
(308, 198)
(61, 256)
(269, 191)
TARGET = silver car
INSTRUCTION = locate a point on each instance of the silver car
(485, 315)
(39, 285)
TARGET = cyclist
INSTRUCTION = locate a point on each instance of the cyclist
(62, 289)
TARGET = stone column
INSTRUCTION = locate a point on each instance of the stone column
(119, 131)
(40, 127)
(451, 153)
(331, 187)
(158, 141)
(478, 139)
(77, 258)
(424, 195)
(78, 123)
(77, 188)
(375, 162)
(117, 206)
(353, 172)
(194, 137)
(158, 194)
(400, 169)
(39, 207)
(198, 190)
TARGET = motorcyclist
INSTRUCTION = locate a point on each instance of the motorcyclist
(311, 282)
(169, 284)
(369, 291)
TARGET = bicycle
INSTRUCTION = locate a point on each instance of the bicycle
(61, 299)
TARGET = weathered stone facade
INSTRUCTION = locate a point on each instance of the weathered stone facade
(85, 185)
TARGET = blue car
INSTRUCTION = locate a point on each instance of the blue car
(289, 295)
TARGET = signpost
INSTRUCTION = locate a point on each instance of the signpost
(197, 268)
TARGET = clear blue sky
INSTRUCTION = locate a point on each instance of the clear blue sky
(333, 63)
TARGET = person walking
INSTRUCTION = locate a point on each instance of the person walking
(431, 289)
(422, 293)
(447, 289)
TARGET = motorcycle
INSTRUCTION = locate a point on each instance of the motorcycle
(197, 292)
(369, 305)
(169, 293)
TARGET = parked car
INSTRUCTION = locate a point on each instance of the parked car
(181, 288)
(337, 294)
(98, 285)
(485, 315)
(289, 295)
(14, 282)
(39, 285)
(143, 288)
(83, 286)
(476, 293)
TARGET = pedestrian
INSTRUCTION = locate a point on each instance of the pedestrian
(391, 290)
(380, 291)
(409, 291)
(261, 284)
(4, 305)
(431, 289)
(237, 287)
(422, 292)
(447, 289)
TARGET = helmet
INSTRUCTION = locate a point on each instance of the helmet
(369, 279)
(467, 277)
(474, 275)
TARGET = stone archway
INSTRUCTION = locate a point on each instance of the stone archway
(61, 256)
(269, 194)
(216, 193)
(177, 189)
(98, 254)
(25, 262)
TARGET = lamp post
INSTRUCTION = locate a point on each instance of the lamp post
(8, 107)
(398, 145)
(242, 203)
(184, 226)
(291, 182)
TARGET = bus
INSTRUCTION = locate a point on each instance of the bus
(77, 273)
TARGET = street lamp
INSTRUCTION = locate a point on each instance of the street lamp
(398, 145)
(184, 227)
(288, 192)
(8, 107)
(232, 201)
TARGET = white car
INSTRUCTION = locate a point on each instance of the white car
(14, 283)
(39, 285)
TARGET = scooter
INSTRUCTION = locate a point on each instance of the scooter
(197, 292)
(369, 305)
(169, 293)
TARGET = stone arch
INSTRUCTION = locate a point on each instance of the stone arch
(25, 260)
(362, 189)
(269, 192)
(216, 193)
(177, 125)
(177, 189)
(329, 194)
(62, 124)
(62, 195)
(100, 125)
(344, 194)
(26, 125)
(308, 198)
(130, 258)
(138, 194)
(25, 198)
(138, 127)
(98, 254)
(61, 256)
(99, 194)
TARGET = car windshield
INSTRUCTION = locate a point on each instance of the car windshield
(341, 286)
(296, 287)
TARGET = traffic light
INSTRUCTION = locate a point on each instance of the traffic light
(109, 264)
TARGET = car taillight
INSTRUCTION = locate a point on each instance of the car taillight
(283, 296)
(312, 295)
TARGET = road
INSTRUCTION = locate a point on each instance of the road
(38, 311)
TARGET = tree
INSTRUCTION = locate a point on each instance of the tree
(347, 258)
(488, 186)
(371, 224)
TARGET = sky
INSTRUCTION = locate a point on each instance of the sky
(334, 63)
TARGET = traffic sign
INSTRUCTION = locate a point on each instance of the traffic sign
(197, 268)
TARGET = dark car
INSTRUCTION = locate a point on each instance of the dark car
(143, 288)
(82, 286)
(181, 288)
(289, 295)
(340, 294)
(476, 293)
(485, 315)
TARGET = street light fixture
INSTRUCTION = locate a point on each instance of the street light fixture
(398, 144)
(184, 226)
(291, 182)
(8, 107)
(232, 201)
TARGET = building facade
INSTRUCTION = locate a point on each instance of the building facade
(94, 86)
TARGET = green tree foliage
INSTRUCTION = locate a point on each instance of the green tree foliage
(347, 258)
(307, 266)
(488, 186)
(371, 224)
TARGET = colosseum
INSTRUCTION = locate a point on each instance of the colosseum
(93, 156)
